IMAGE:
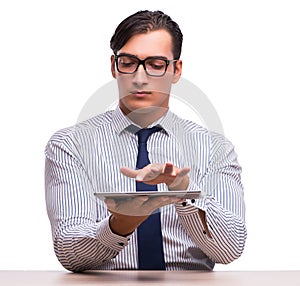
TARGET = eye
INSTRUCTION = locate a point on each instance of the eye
(126, 63)
(156, 64)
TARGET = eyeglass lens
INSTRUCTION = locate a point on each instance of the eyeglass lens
(154, 66)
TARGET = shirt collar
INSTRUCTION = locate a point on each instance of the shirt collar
(167, 122)
(121, 122)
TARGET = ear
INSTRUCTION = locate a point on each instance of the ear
(178, 71)
(112, 66)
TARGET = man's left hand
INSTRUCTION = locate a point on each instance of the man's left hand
(175, 178)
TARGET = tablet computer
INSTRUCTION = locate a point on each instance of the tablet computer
(126, 195)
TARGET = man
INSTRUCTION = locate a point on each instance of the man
(100, 155)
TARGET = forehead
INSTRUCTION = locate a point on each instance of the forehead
(154, 43)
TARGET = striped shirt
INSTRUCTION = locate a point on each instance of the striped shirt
(86, 158)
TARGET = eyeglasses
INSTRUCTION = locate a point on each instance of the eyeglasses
(153, 66)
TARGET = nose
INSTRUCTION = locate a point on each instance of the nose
(140, 77)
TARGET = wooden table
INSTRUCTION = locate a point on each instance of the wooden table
(129, 278)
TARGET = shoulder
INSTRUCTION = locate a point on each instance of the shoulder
(193, 130)
(189, 127)
(82, 129)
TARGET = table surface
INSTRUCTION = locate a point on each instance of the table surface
(123, 278)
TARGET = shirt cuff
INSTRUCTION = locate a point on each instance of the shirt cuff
(189, 215)
(191, 206)
(188, 207)
(110, 239)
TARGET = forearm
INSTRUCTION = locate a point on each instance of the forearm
(223, 237)
(87, 247)
(216, 222)
(81, 235)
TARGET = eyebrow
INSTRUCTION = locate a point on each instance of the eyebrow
(135, 56)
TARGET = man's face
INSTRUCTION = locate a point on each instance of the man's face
(139, 92)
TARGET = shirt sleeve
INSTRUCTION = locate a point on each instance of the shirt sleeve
(222, 200)
(80, 241)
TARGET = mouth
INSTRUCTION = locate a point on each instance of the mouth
(140, 93)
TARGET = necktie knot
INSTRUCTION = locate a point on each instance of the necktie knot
(144, 134)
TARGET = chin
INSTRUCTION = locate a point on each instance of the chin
(143, 106)
(145, 110)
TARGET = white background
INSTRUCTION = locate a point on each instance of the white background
(244, 55)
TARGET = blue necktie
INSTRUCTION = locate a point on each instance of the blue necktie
(150, 246)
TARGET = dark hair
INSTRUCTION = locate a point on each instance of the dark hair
(143, 22)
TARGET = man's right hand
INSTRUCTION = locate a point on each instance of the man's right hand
(127, 215)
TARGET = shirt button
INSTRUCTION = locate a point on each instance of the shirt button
(204, 232)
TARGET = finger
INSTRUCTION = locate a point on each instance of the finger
(183, 172)
(129, 172)
(156, 170)
(110, 203)
(180, 176)
(155, 203)
(134, 206)
(140, 200)
(136, 174)
(169, 170)
(148, 173)
(161, 201)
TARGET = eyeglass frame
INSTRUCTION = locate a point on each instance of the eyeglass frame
(142, 62)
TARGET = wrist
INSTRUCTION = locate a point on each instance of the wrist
(125, 225)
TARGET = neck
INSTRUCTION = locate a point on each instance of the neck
(146, 116)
